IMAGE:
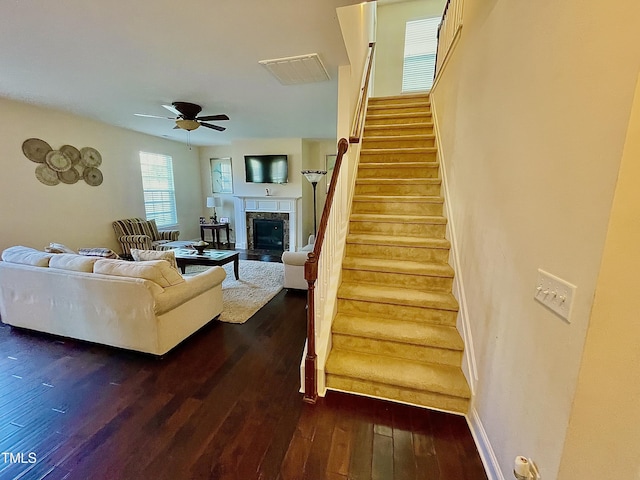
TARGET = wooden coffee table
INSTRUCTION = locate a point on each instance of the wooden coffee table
(211, 258)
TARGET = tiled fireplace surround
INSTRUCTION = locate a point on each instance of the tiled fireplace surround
(268, 207)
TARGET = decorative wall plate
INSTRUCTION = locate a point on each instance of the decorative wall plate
(69, 176)
(58, 161)
(35, 149)
(93, 176)
(47, 175)
(72, 152)
(90, 157)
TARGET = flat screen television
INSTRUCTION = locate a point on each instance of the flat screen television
(266, 168)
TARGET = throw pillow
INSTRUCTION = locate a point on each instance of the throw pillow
(145, 255)
(57, 248)
(99, 252)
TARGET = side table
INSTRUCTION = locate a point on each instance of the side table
(215, 231)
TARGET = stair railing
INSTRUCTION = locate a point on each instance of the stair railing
(448, 32)
(320, 261)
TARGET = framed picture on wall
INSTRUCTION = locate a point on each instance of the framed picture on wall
(221, 175)
(330, 163)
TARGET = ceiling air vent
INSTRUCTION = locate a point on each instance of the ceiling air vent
(295, 70)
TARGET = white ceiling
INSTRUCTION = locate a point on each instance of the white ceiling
(109, 59)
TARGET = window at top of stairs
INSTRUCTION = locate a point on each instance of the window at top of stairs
(420, 45)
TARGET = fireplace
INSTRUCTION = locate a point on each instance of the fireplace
(268, 234)
(272, 207)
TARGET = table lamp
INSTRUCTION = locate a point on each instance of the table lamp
(213, 202)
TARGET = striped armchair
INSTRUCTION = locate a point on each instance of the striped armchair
(142, 234)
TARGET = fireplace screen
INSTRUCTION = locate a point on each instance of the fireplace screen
(268, 234)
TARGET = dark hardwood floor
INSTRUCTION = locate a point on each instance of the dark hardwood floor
(223, 405)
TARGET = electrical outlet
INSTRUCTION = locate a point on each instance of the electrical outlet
(555, 294)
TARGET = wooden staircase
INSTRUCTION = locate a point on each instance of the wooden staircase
(394, 335)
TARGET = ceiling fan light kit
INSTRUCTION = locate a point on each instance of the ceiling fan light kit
(186, 117)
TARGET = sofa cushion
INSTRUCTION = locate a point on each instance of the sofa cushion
(27, 256)
(157, 271)
(145, 255)
(58, 248)
(98, 252)
(73, 262)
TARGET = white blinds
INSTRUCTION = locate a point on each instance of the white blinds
(420, 45)
(159, 191)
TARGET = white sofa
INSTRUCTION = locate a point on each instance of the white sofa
(143, 306)
(294, 266)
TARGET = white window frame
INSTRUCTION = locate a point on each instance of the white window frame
(420, 47)
(159, 189)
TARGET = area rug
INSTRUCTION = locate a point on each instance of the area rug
(259, 282)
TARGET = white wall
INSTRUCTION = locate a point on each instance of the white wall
(533, 110)
(392, 21)
(79, 215)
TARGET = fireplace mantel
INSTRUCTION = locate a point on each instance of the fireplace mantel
(267, 204)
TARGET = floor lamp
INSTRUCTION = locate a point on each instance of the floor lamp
(314, 177)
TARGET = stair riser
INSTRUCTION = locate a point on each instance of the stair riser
(380, 189)
(417, 314)
(424, 230)
(393, 142)
(398, 130)
(420, 353)
(395, 172)
(414, 282)
(422, 109)
(395, 208)
(399, 394)
(397, 120)
(398, 156)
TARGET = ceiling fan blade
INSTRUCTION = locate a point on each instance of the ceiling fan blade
(206, 118)
(152, 116)
(173, 110)
(215, 127)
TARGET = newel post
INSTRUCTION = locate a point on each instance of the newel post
(310, 361)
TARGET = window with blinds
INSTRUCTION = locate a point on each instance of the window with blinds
(420, 46)
(159, 191)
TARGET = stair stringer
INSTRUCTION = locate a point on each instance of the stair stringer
(463, 324)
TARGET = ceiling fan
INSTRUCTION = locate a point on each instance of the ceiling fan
(186, 116)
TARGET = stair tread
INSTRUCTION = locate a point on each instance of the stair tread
(403, 96)
(395, 165)
(408, 267)
(400, 331)
(443, 379)
(418, 242)
(397, 115)
(398, 218)
(398, 198)
(397, 296)
(399, 181)
(387, 138)
(416, 125)
(397, 150)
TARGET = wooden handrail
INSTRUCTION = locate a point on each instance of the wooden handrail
(311, 265)
(358, 117)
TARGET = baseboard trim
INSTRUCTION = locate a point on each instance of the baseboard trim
(487, 455)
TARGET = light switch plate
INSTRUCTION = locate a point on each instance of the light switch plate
(555, 294)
